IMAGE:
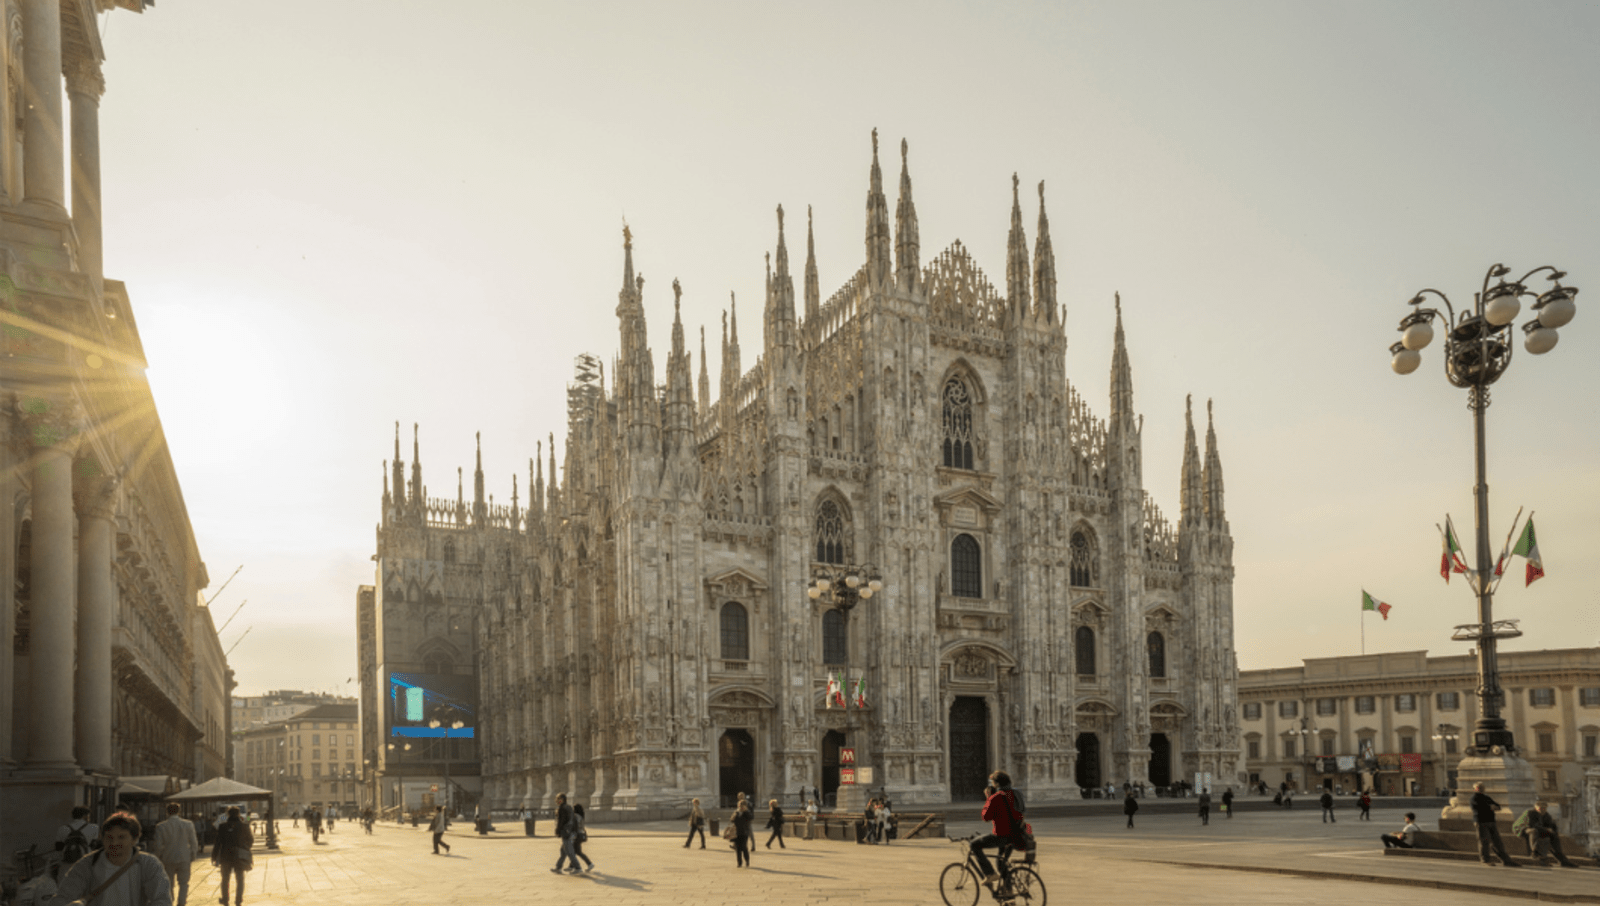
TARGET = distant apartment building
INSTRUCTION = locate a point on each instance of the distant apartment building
(252, 711)
(1397, 722)
(308, 760)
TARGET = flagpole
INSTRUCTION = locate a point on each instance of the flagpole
(1363, 627)
(1505, 552)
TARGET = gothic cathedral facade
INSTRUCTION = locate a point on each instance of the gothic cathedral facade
(641, 631)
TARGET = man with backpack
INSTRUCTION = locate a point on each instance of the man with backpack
(77, 837)
(1003, 811)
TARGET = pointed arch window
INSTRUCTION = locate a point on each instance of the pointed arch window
(966, 567)
(449, 550)
(438, 662)
(830, 532)
(1083, 645)
(1081, 566)
(1156, 644)
(735, 622)
(957, 416)
(835, 644)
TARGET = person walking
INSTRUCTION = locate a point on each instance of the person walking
(1483, 809)
(232, 854)
(116, 872)
(697, 824)
(77, 837)
(1327, 808)
(1365, 804)
(869, 822)
(1205, 806)
(1406, 839)
(563, 827)
(775, 821)
(437, 827)
(1129, 806)
(742, 818)
(177, 846)
(1227, 802)
(579, 832)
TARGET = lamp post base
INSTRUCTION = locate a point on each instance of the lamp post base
(851, 799)
(1508, 779)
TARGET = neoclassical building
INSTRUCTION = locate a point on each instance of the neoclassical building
(641, 631)
(109, 662)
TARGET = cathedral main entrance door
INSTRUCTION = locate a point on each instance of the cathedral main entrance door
(736, 761)
(969, 748)
(1160, 760)
(832, 741)
(1089, 761)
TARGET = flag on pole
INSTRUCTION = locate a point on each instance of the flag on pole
(1368, 602)
(833, 692)
(1528, 546)
(1450, 561)
(861, 692)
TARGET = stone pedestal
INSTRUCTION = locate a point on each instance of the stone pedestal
(1589, 805)
(851, 800)
(1506, 778)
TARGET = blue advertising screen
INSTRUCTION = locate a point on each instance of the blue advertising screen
(417, 699)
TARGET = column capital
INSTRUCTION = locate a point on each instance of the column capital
(84, 77)
(93, 489)
(49, 423)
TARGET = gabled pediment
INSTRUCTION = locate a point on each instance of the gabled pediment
(967, 496)
(737, 582)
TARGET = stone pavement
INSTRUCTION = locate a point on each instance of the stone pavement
(1166, 859)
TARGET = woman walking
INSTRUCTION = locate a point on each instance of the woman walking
(742, 817)
(232, 854)
(697, 823)
(580, 835)
(441, 823)
(775, 821)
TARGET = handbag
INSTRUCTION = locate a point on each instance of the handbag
(242, 858)
(728, 833)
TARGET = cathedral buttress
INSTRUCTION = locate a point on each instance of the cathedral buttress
(1125, 458)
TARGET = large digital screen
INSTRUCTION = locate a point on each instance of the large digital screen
(418, 699)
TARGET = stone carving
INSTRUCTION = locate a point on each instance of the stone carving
(970, 664)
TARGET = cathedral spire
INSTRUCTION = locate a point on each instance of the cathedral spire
(780, 297)
(680, 393)
(461, 498)
(513, 500)
(399, 477)
(879, 242)
(1121, 375)
(1213, 477)
(1044, 268)
(416, 468)
(1192, 506)
(705, 375)
(813, 286)
(907, 245)
(1017, 259)
(536, 477)
(730, 348)
(627, 258)
(553, 493)
(480, 510)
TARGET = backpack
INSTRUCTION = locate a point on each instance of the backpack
(75, 846)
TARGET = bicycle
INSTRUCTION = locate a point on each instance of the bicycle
(961, 882)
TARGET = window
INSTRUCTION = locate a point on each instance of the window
(1366, 704)
(316, 739)
(1589, 697)
(1408, 745)
(1326, 707)
(1083, 641)
(1288, 709)
(1450, 745)
(316, 770)
(966, 572)
(1157, 646)
(835, 646)
(1254, 750)
(316, 754)
(349, 739)
(1327, 745)
(1405, 702)
(830, 532)
(735, 632)
(957, 425)
(1549, 780)
(1542, 698)
(1591, 745)
(1288, 748)
(1449, 701)
(1252, 711)
(1547, 742)
(1082, 572)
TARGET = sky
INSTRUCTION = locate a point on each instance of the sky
(335, 216)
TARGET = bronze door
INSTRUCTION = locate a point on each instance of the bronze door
(969, 748)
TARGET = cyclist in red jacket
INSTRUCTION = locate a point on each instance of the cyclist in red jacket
(1004, 814)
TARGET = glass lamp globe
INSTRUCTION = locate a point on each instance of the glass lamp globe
(1406, 361)
(813, 592)
(1417, 336)
(866, 593)
(1541, 340)
(852, 581)
(1502, 309)
(875, 585)
(824, 584)
(1558, 312)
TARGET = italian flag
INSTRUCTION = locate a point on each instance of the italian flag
(1450, 561)
(1528, 546)
(1368, 602)
(835, 691)
(861, 692)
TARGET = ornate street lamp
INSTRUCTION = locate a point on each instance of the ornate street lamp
(1477, 351)
(449, 798)
(842, 587)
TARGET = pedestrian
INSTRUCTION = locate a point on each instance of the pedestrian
(563, 824)
(232, 854)
(1483, 809)
(869, 822)
(1365, 804)
(1538, 827)
(802, 797)
(294, 817)
(816, 795)
(1327, 807)
(77, 837)
(697, 824)
(1406, 839)
(1129, 806)
(117, 872)
(1227, 802)
(811, 818)
(1205, 806)
(775, 821)
(1288, 799)
(579, 832)
(1005, 816)
(885, 821)
(742, 818)
(440, 824)
(176, 845)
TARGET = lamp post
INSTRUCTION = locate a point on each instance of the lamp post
(1306, 732)
(449, 794)
(399, 750)
(841, 587)
(1444, 739)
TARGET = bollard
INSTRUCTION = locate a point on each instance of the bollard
(528, 826)
(714, 822)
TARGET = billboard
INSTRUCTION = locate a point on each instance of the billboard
(415, 699)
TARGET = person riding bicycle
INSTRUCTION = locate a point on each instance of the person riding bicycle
(1003, 811)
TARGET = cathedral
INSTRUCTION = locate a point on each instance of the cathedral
(650, 628)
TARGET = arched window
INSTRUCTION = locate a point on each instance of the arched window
(1157, 645)
(735, 632)
(966, 568)
(830, 532)
(449, 550)
(835, 645)
(437, 663)
(1082, 571)
(1084, 644)
(957, 425)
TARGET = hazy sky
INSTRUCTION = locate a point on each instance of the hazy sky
(334, 216)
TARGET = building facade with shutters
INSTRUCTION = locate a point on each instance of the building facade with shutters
(641, 631)
(1397, 722)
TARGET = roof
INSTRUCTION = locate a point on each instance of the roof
(220, 788)
(327, 712)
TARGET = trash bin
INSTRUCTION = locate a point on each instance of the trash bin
(715, 822)
(528, 825)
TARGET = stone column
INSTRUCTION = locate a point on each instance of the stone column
(85, 85)
(8, 572)
(51, 427)
(97, 614)
(42, 178)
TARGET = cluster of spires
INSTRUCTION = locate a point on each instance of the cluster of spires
(411, 499)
